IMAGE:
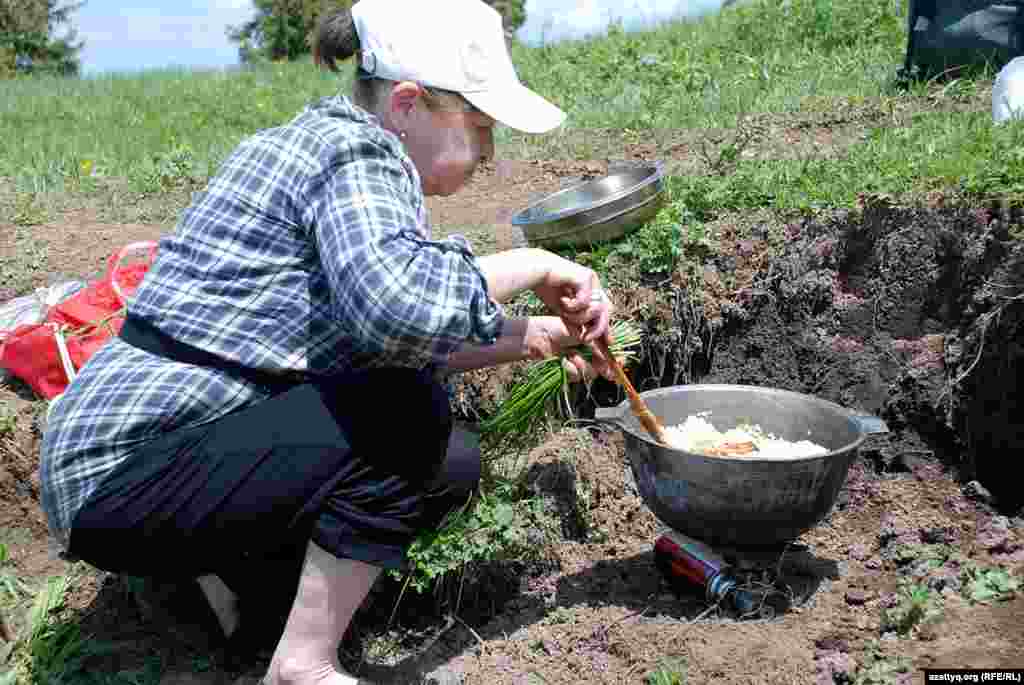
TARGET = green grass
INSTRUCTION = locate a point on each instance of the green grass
(51, 648)
(992, 584)
(916, 605)
(12, 588)
(706, 74)
(877, 668)
(8, 420)
(57, 131)
(494, 525)
(175, 125)
(670, 672)
(939, 151)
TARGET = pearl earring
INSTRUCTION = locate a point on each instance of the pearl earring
(401, 134)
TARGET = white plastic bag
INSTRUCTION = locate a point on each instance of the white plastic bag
(24, 310)
(1008, 92)
(31, 309)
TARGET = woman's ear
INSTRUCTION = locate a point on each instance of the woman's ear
(403, 98)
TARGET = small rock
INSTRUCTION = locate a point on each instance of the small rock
(832, 644)
(891, 529)
(888, 600)
(874, 563)
(977, 492)
(957, 506)
(503, 662)
(726, 263)
(945, 578)
(860, 552)
(745, 248)
(858, 597)
(551, 647)
(839, 665)
(995, 535)
(938, 535)
(919, 569)
(1011, 558)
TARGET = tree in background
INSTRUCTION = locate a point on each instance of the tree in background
(282, 29)
(28, 43)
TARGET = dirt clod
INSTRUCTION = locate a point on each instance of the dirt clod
(977, 492)
(995, 535)
(834, 667)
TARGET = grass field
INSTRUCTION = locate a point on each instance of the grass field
(779, 59)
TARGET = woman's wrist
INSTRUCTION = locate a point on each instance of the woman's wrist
(513, 346)
(523, 338)
(515, 271)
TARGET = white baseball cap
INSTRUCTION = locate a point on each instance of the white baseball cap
(456, 45)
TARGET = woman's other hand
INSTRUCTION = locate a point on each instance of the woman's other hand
(548, 336)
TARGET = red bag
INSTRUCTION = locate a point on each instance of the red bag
(48, 355)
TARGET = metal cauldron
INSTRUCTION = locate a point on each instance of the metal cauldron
(594, 211)
(744, 501)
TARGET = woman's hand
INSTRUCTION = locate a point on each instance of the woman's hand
(574, 293)
(548, 336)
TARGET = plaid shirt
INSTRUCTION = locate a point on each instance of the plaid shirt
(308, 252)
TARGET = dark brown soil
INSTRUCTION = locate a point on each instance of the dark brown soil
(908, 313)
(911, 314)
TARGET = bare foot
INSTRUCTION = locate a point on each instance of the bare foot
(292, 672)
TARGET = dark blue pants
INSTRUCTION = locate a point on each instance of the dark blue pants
(357, 465)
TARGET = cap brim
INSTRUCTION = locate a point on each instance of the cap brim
(518, 107)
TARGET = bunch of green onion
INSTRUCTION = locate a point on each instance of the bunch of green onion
(545, 379)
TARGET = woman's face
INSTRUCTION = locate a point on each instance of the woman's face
(446, 142)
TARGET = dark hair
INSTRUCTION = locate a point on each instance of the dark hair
(337, 40)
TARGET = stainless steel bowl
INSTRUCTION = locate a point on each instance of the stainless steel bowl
(745, 501)
(595, 211)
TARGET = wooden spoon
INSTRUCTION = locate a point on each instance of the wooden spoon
(647, 419)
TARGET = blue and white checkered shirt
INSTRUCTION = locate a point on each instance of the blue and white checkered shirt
(309, 252)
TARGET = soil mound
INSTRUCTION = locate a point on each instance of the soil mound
(911, 314)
